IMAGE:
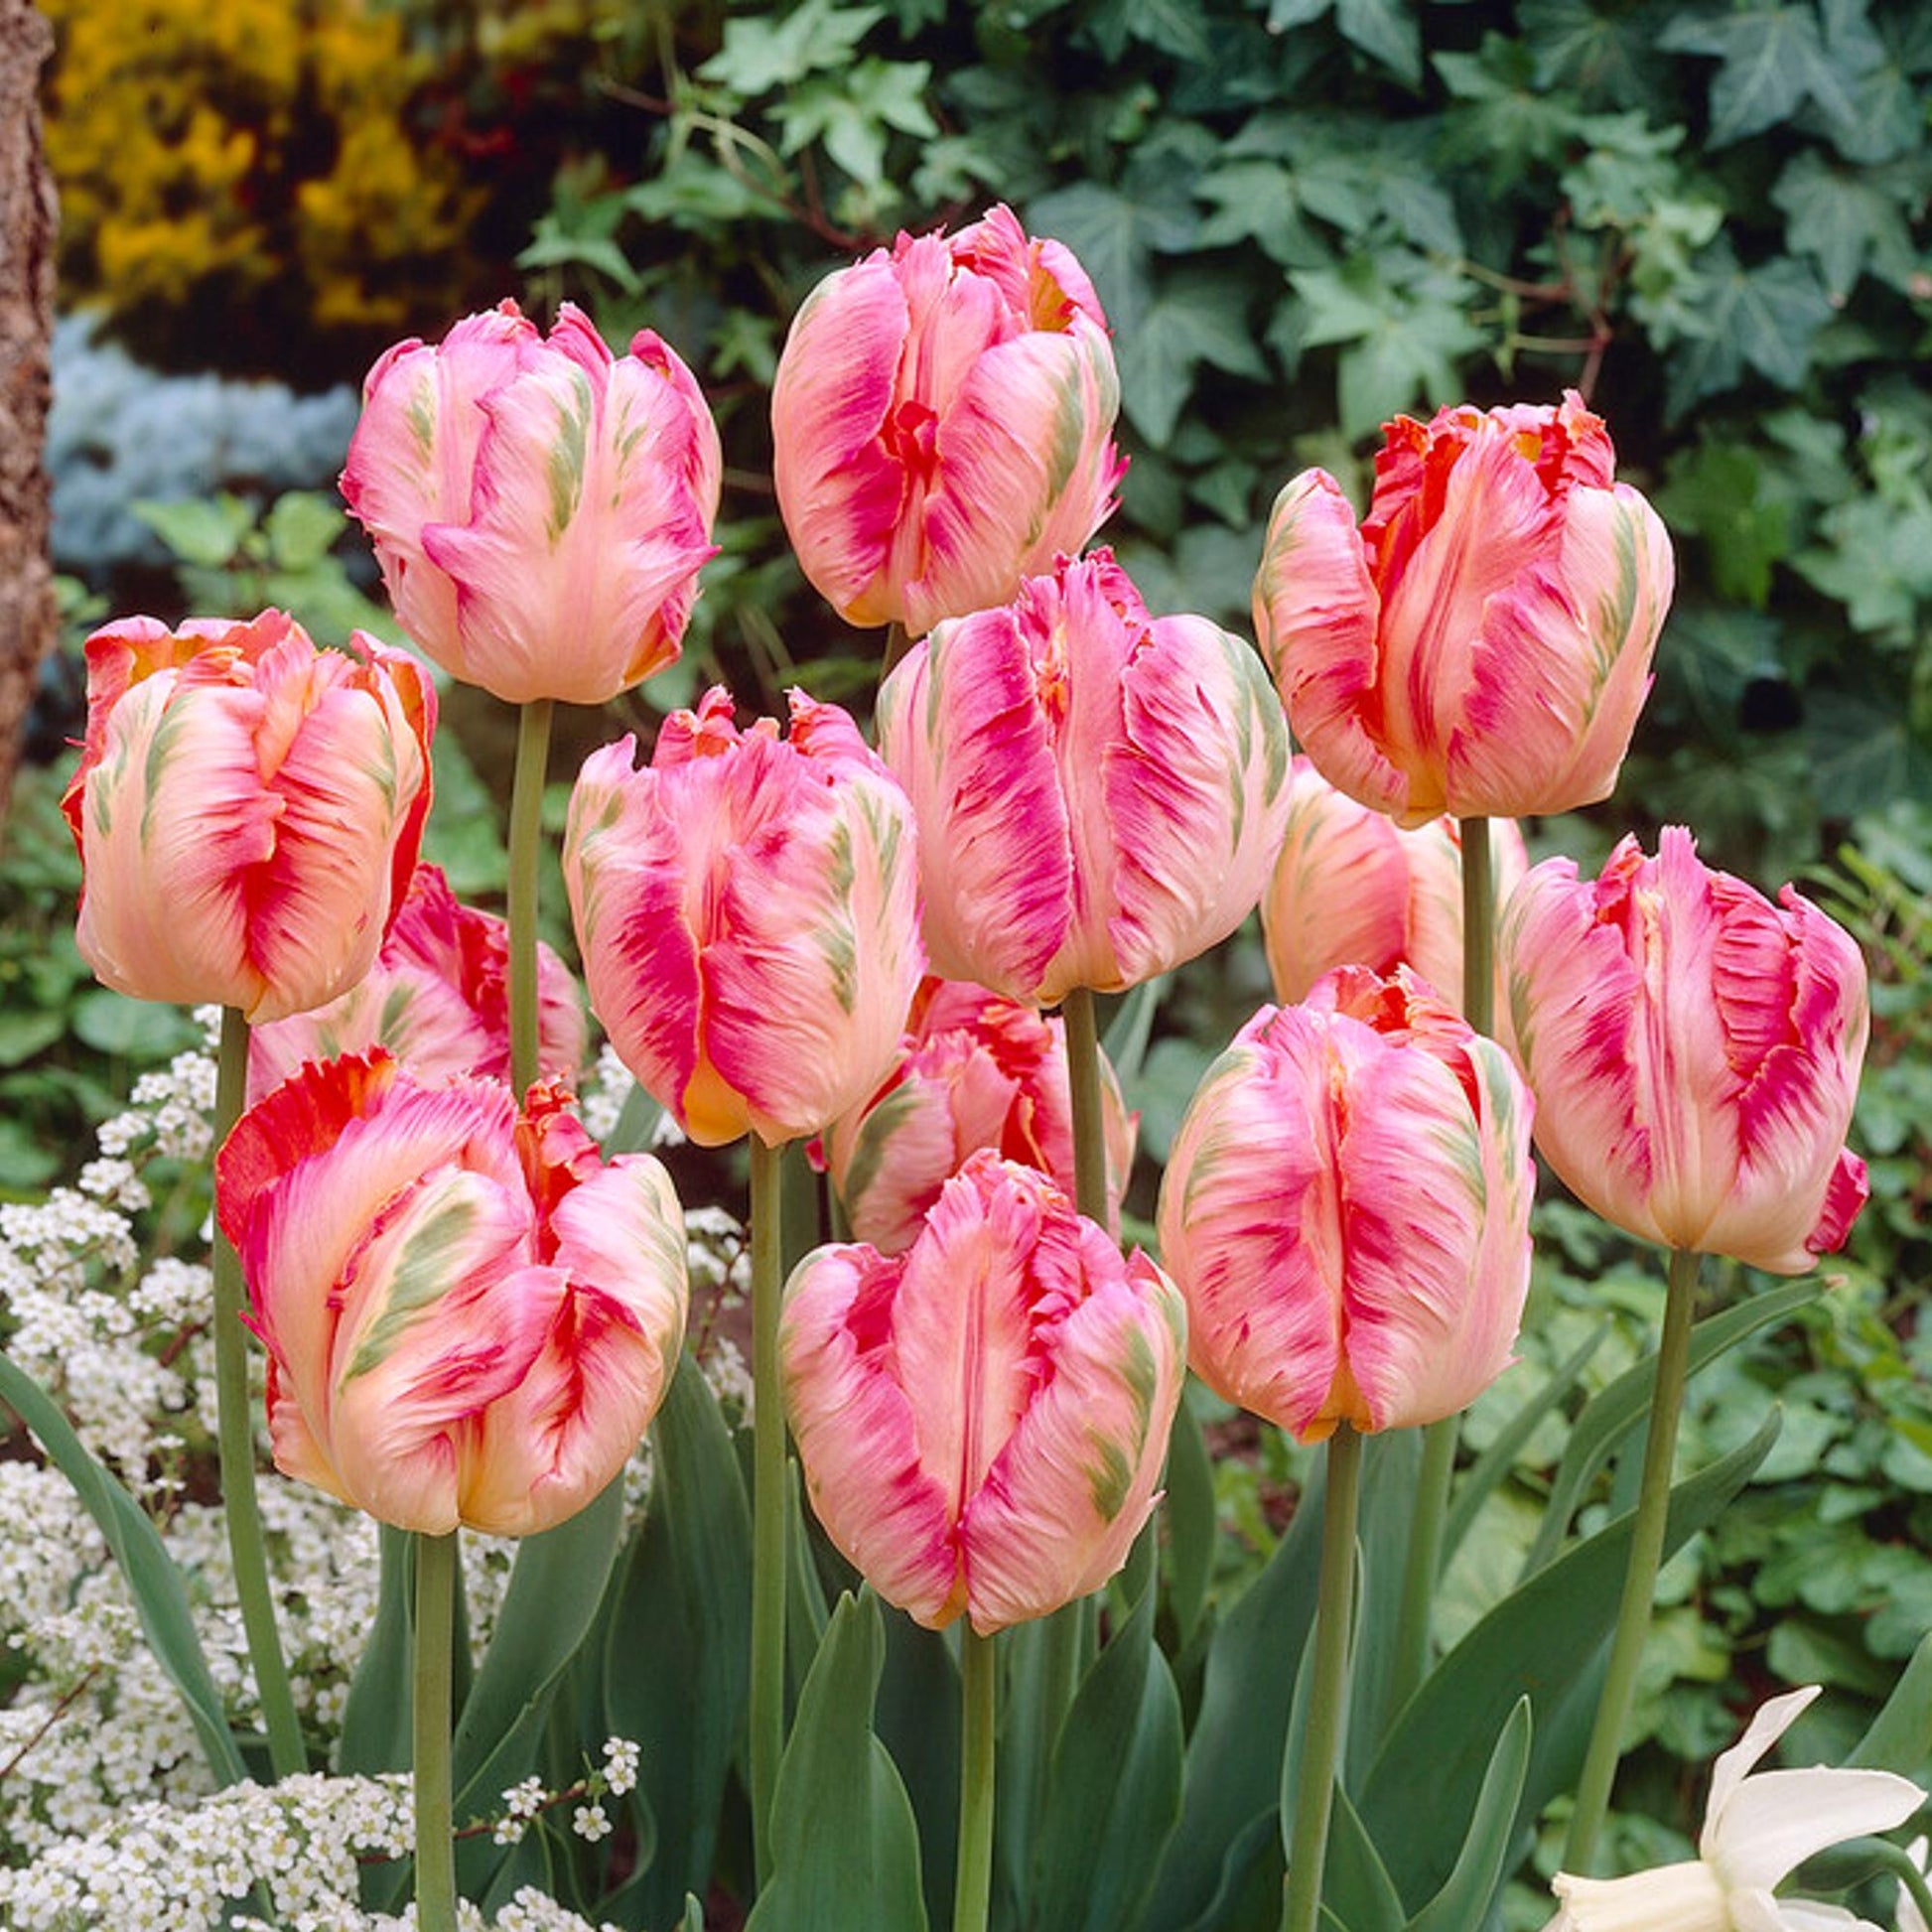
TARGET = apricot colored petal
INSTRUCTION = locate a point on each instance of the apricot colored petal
(163, 911)
(1077, 1479)
(1316, 609)
(1250, 1225)
(856, 1432)
(962, 731)
(1196, 796)
(839, 490)
(624, 863)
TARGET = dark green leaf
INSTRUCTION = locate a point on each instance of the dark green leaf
(1191, 1521)
(1390, 31)
(1356, 1889)
(1900, 1736)
(376, 1717)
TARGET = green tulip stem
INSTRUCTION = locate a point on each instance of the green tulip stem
(1640, 1578)
(235, 1443)
(973, 1887)
(769, 1501)
(526, 830)
(436, 1566)
(1089, 1131)
(1896, 1860)
(1329, 1687)
(1413, 1649)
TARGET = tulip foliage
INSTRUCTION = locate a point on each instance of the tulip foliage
(1011, 1688)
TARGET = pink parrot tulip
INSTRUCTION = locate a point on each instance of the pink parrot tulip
(247, 809)
(746, 907)
(437, 997)
(942, 423)
(1099, 793)
(1352, 887)
(1481, 645)
(974, 1070)
(982, 1419)
(469, 1316)
(540, 509)
(1347, 1209)
(1694, 1050)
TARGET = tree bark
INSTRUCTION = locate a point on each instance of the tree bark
(28, 216)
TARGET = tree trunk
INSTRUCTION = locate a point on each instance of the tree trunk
(28, 214)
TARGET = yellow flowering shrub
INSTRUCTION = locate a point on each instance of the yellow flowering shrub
(231, 171)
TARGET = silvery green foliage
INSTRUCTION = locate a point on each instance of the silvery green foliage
(119, 434)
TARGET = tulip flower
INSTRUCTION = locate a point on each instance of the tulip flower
(437, 997)
(1099, 793)
(247, 810)
(469, 1316)
(1757, 1830)
(973, 1070)
(747, 910)
(540, 509)
(1481, 645)
(942, 423)
(1352, 888)
(1347, 1209)
(982, 1419)
(1694, 1050)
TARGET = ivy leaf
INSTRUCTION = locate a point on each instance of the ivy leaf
(1845, 221)
(1389, 31)
(1256, 200)
(1113, 231)
(1198, 320)
(1603, 55)
(1774, 61)
(1176, 27)
(1767, 316)
(1400, 338)
(769, 49)
(851, 112)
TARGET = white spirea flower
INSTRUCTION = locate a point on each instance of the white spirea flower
(589, 1822)
(620, 1760)
(1756, 1831)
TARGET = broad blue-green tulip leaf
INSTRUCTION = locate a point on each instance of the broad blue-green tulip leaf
(1900, 1736)
(1113, 1794)
(1191, 1522)
(160, 1595)
(1356, 1889)
(1611, 1414)
(844, 1844)
(1471, 1890)
(376, 1715)
(676, 1654)
(1541, 1641)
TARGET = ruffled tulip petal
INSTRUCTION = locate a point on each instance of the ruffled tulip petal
(1078, 1477)
(999, 880)
(1317, 610)
(856, 1427)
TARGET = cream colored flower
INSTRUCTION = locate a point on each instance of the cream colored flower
(1757, 1830)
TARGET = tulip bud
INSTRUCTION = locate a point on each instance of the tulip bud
(942, 423)
(1352, 887)
(1099, 793)
(1694, 1050)
(747, 909)
(1481, 645)
(540, 509)
(469, 1317)
(982, 1419)
(1347, 1209)
(437, 997)
(247, 810)
(973, 1070)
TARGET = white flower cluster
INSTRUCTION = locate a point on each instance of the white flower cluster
(107, 1812)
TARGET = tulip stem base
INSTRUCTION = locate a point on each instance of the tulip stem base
(1083, 1081)
(526, 840)
(436, 1566)
(1640, 1578)
(973, 1882)
(1328, 1687)
(235, 1444)
(768, 1501)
